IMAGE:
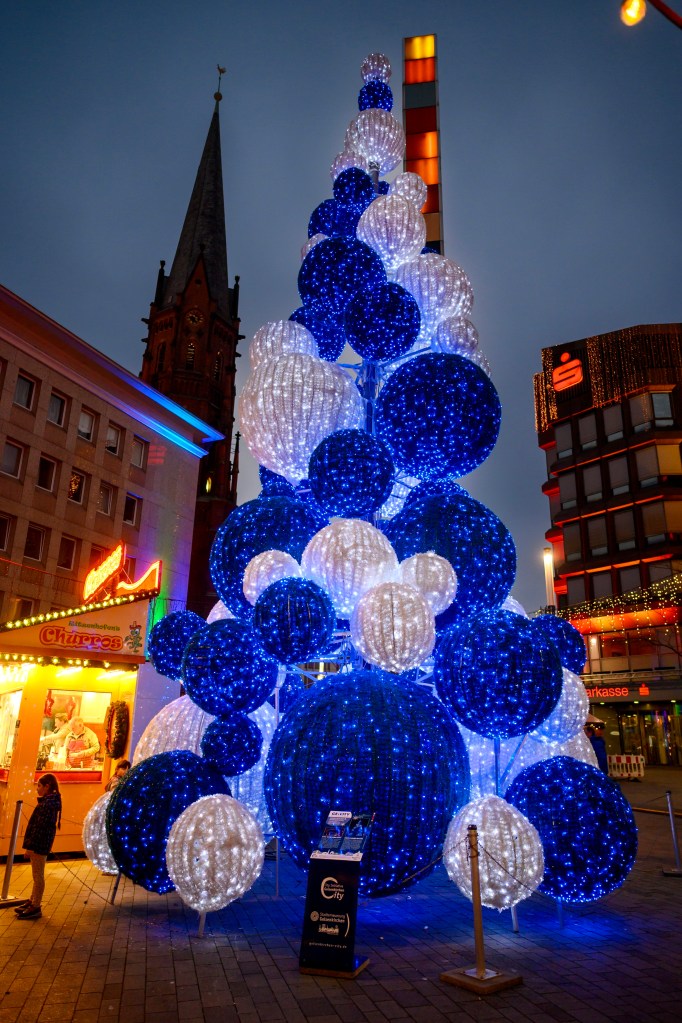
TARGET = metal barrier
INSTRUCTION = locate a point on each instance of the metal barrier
(626, 765)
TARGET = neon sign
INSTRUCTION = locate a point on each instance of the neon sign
(149, 581)
(568, 374)
(103, 572)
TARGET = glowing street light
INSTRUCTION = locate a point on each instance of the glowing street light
(633, 11)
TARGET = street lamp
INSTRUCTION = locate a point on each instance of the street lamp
(632, 11)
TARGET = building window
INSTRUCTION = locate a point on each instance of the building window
(105, 502)
(12, 459)
(596, 533)
(67, 553)
(56, 410)
(602, 585)
(663, 412)
(647, 466)
(567, 492)
(35, 543)
(24, 392)
(592, 483)
(76, 487)
(562, 436)
(189, 357)
(129, 569)
(572, 545)
(138, 455)
(96, 556)
(161, 358)
(86, 425)
(575, 589)
(131, 510)
(113, 441)
(619, 478)
(23, 607)
(629, 579)
(613, 422)
(587, 431)
(5, 532)
(653, 522)
(641, 412)
(47, 471)
(218, 367)
(669, 460)
(624, 529)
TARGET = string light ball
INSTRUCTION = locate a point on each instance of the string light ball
(496, 675)
(346, 558)
(271, 522)
(350, 473)
(410, 186)
(456, 336)
(392, 627)
(510, 860)
(379, 137)
(281, 337)
(265, 569)
(512, 604)
(168, 639)
(178, 725)
(310, 243)
(95, 842)
(232, 744)
(588, 832)
(215, 853)
(325, 325)
(394, 228)
(346, 159)
(468, 535)
(383, 188)
(369, 743)
(570, 713)
(273, 485)
(354, 187)
(333, 271)
(144, 806)
(334, 219)
(440, 287)
(376, 68)
(225, 668)
(381, 322)
(433, 576)
(566, 637)
(375, 94)
(295, 620)
(248, 787)
(439, 415)
(531, 751)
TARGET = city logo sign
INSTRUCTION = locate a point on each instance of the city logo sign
(568, 374)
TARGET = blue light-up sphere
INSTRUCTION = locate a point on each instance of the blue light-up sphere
(268, 523)
(366, 742)
(335, 219)
(498, 677)
(232, 744)
(375, 95)
(168, 639)
(335, 268)
(295, 620)
(588, 832)
(274, 485)
(354, 187)
(383, 188)
(350, 473)
(470, 536)
(225, 668)
(290, 690)
(325, 325)
(145, 805)
(569, 642)
(382, 323)
(439, 415)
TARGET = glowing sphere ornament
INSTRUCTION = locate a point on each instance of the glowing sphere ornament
(379, 137)
(310, 244)
(345, 160)
(334, 219)
(333, 271)
(394, 228)
(496, 675)
(433, 576)
(178, 725)
(456, 336)
(295, 620)
(215, 852)
(281, 337)
(569, 714)
(350, 473)
(376, 68)
(375, 94)
(588, 832)
(232, 744)
(168, 639)
(289, 404)
(325, 325)
(273, 485)
(248, 787)
(569, 642)
(272, 522)
(225, 668)
(410, 186)
(145, 805)
(439, 416)
(381, 322)
(510, 860)
(368, 743)
(346, 558)
(265, 569)
(440, 287)
(393, 628)
(354, 187)
(95, 842)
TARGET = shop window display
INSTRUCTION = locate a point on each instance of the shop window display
(9, 718)
(72, 735)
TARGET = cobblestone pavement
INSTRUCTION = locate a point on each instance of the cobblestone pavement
(141, 960)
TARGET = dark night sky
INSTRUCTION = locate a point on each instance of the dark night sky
(561, 159)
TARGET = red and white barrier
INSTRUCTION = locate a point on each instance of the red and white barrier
(626, 765)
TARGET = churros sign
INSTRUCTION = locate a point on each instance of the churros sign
(58, 635)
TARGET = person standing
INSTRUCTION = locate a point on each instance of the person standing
(122, 768)
(40, 834)
(599, 747)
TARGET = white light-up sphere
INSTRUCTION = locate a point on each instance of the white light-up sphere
(456, 336)
(248, 787)
(215, 852)
(569, 714)
(267, 568)
(394, 228)
(440, 288)
(290, 404)
(533, 752)
(95, 843)
(482, 761)
(433, 576)
(218, 613)
(411, 187)
(281, 337)
(376, 67)
(346, 559)
(513, 605)
(310, 244)
(178, 725)
(510, 863)
(479, 358)
(394, 503)
(379, 137)
(345, 160)
(393, 627)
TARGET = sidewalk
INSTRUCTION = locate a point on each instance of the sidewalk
(140, 960)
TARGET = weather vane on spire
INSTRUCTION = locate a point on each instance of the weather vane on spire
(221, 72)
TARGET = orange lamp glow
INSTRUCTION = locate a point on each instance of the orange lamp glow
(104, 571)
(632, 11)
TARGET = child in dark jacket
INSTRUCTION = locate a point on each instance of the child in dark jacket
(40, 834)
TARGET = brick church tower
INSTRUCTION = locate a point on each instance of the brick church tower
(191, 352)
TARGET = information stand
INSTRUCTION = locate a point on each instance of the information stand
(331, 904)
